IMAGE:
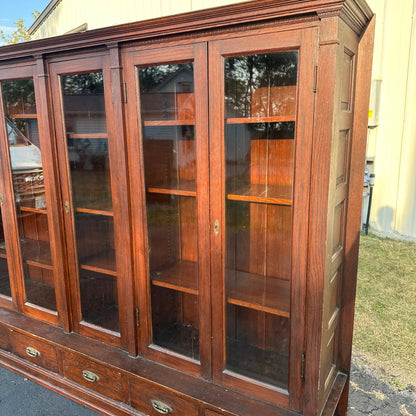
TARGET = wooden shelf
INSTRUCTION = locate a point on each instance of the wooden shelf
(87, 135)
(36, 253)
(97, 208)
(104, 262)
(181, 276)
(32, 116)
(183, 339)
(267, 294)
(249, 120)
(152, 123)
(184, 188)
(267, 366)
(267, 194)
(34, 210)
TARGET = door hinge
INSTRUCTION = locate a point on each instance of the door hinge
(315, 79)
(137, 317)
(1, 199)
(302, 367)
(125, 92)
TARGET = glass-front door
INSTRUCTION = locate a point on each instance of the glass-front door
(259, 142)
(261, 107)
(85, 142)
(170, 131)
(31, 209)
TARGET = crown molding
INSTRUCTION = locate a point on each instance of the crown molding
(355, 12)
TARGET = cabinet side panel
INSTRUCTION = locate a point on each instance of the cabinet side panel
(344, 135)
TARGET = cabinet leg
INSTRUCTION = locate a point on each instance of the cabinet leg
(342, 408)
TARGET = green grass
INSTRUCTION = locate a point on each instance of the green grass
(385, 317)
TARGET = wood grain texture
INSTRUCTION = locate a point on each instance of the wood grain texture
(353, 216)
(355, 12)
(292, 225)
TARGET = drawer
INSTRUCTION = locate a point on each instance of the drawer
(154, 401)
(4, 337)
(35, 350)
(94, 375)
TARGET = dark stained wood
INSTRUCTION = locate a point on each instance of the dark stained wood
(4, 337)
(47, 354)
(108, 382)
(142, 394)
(258, 292)
(97, 209)
(268, 119)
(87, 135)
(322, 139)
(261, 193)
(35, 210)
(339, 384)
(264, 287)
(353, 218)
(104, 262)
(168, 123)
(182, 188)
(98, 241)
(355, 12)
(182, 276)
(23, 116)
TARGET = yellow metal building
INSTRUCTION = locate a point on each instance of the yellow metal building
(392, 124)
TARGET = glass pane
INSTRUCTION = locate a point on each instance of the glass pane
(28, 184)
(87, 146)
(167, 108)
(5, 289)
(260, 103)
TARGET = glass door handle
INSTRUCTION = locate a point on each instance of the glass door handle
(67, 207)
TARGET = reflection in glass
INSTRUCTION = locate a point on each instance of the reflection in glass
(260, 110)
(29, 192)
(167, 109)
(88, 155)
(5, 289)
(261, 85)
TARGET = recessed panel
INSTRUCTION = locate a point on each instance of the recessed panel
(338, 229)
(343, 157)
(347, 86)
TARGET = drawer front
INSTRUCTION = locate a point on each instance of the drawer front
(4, 337)
(153, 401)
(94, 375)
(36, 351)
(211, 413)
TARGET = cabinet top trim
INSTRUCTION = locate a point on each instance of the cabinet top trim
(356, 13)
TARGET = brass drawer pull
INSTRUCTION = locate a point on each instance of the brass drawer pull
(161, 407)
(90, 376)
(32, 352)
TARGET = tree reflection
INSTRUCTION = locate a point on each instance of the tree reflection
(89, 83)
(19, 97)
(246, 74)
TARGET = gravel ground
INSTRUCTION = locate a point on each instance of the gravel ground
(371, 396)
(368, 396)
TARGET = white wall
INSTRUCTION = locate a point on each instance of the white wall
(393, 142)
(70, 14)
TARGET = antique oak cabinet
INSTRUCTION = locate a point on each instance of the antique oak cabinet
(180, 209)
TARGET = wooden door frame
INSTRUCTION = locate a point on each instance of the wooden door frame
(36, 71)
(304, 40)
(106, 62)
(131, 59)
